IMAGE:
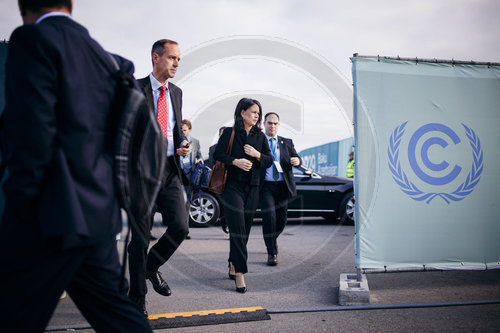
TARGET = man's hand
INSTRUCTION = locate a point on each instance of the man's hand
(243, 164)
(185, 149)
(295, 161)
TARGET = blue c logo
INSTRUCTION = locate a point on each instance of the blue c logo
(410, 188)
(433, 127)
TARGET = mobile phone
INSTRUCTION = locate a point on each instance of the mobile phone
(186, 145)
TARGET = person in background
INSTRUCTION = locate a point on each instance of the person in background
(189, 161)
(277, 185)
(250, 152)
(165, 100)
(59, 194)
(350, 166)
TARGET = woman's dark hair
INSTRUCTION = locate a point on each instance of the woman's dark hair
(243, 105)
(37, 5)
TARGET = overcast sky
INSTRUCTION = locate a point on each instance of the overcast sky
(330, 30)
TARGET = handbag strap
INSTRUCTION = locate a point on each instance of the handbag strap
(230, 145)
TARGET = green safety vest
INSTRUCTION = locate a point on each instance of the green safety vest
(350, 169)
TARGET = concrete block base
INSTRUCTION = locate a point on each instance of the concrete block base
(352, 291)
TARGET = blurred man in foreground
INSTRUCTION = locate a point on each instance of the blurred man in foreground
(59, 193)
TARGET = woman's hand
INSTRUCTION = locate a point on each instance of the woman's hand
(243, 164)
(251, 151)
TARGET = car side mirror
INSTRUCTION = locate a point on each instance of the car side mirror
(308, 172)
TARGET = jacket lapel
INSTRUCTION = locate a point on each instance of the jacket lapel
(176, 103)
(281, 143)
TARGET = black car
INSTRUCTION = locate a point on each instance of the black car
(317, 195)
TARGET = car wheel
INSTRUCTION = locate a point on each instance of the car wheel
(204, 211)
(346, 209)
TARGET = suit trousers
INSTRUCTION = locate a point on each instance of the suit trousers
(170, 203)
(274, 205)
(34, 272)
(172, 207)
(240, 203)
(137, 254)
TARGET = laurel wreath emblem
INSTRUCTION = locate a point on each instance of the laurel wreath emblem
(413, 191)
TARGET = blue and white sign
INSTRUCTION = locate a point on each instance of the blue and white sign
(329, 159)
(427, 164)
(435, 182)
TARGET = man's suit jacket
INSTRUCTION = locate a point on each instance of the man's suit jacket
(59, 93)
(287, 150)
(195, 152)
(176, 98)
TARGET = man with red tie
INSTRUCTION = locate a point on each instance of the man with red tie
(165, 100)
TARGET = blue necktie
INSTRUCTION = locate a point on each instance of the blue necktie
(276, 174)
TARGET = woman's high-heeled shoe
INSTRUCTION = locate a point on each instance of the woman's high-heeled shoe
(240, 283)
(231, 272)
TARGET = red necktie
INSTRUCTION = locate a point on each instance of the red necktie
(162, 115)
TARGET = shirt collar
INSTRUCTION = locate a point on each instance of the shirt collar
(50, 14)
(270, 137)
(155, 84)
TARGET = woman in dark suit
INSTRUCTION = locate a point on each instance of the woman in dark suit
(249, 153)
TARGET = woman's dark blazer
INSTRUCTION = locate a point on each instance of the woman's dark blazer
(256, 139)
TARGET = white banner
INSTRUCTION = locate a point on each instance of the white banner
(427, 164)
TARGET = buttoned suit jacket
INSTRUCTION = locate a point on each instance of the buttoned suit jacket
(176, 98)
(287, 150)
(59, 93)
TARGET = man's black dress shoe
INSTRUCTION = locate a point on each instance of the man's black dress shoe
(152, 238)
(140, 303)
(272, 260)
(188, 237)
(159, 285)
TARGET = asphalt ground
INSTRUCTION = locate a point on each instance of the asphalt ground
(313, 254)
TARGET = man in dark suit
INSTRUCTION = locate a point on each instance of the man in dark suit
(165, 99)
(59, 193)
(277, 185)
